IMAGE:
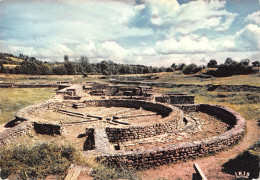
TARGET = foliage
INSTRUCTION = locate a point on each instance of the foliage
(170, 69)
(30, 65)
(256, 64)
(180, 66)
(191, 69)
(36, 161)
(231, 67)
(212, 63)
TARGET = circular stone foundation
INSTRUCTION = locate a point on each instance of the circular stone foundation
(136, 133)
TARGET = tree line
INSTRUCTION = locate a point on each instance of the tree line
(30, 65)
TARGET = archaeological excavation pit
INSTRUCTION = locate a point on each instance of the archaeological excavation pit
(132, 126)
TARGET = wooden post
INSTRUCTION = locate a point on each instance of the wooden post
(199, 175)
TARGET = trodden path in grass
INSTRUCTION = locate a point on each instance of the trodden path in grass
(211, 166)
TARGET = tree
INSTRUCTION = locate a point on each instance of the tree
(155, 70)
(29, 67)
(245, 62)
(140, 69)
(212, 63)
(191, 69)
(18, 70)
(71, 68)
(181, 66)
(59, 70)
(256, 64)
(230, 61)
(84, 60)
(162, 69)
(125, 69)
(169, 69)
(45, 69)
(174, 66)
(231, 67)
(147, 70)
(103, 65)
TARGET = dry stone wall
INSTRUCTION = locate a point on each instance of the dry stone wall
(10, 134)
(175, 99)
(162, 109)
(49, 129)
(27, 85)
(174, 120)
(175, 152)
(128, 134)
(234, 88)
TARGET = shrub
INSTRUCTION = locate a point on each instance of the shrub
(36, 161)
(191, 69)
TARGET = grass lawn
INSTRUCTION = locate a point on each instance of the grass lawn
(22, 78)
(13, 99)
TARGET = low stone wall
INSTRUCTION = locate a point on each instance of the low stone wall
(173, 121)
(234, 88)
(162, 99)
(181, 99)
(26, 113)
(49, 129)
(162, 109)
(178, 152)
(226, 115)
(128, 134)
(155, 84)
(42, 126)
(37, 86)
(29, 85)
(175, 99)
(11, 134)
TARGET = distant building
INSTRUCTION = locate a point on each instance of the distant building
(66, 58)
(84, 59)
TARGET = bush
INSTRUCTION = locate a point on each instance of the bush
(233, 69)
(36, 161)
(191, 69)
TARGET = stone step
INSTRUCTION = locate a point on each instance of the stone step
(101, 141)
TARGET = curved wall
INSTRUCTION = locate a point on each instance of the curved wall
(173, 121)
(183, 151)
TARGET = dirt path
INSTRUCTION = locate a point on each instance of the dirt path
(211, 166)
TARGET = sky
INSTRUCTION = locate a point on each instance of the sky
(147, 32)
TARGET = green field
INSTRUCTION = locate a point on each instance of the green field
(13, 99)
(22, 78)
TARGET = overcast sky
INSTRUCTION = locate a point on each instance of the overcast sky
(151, 32)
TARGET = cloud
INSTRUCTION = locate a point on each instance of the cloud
(169, 18)
(248, 38)
(254, 17)
(194, 44)
(112, 50)
(149, 32)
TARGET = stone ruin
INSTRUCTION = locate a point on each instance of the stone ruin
(130, 125)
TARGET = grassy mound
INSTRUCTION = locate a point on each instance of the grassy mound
(36, 161)
(41, 160)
